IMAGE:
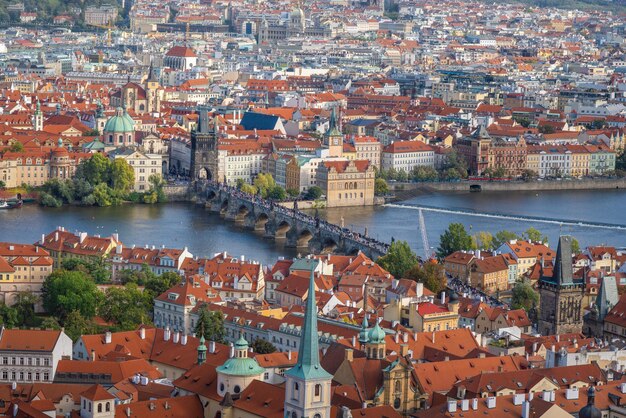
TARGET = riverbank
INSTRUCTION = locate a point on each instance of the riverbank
(404, 191)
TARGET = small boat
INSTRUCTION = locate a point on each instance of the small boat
(4, 204)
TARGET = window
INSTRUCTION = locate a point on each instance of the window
(108, 407)
(236, 389)
(99, 407)
(318, 390)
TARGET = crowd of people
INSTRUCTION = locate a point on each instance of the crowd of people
(298, 215)
(465, 290)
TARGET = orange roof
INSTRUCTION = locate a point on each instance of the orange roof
(97, 393)
(28, 340)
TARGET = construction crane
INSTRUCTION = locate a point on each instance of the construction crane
(422, 226)
(109, 27)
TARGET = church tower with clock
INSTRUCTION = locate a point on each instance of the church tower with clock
(333, 139)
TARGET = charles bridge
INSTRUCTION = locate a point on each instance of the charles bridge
(296, 228)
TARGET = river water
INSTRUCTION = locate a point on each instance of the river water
(594, 217)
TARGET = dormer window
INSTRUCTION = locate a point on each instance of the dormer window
(172, 296)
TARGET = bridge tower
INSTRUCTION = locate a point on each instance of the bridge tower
(204, 156)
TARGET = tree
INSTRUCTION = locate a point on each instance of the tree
(96, 270)
(16, 147)
(249, 189)
(103, 195)
(159, 284)
(380, 187)
(502, 237)
(534, 235)
(276, 192)
(482, 240)
(620, 161)
(24, 304)
(126, 306)
(399, 259)
(91, 132)
(432, 275)
(598, 124)
(313, 193)
(122, 176)
(455, 238)
(210, 324)
(264, 182)
(66, 291)
(95, 170)
(456, 162)
(50, 323)
(2, 184)
(293, 192)
(546, 129)
(424, 173)
(262, 346)
(529, 175)
(575, 246)
(76, 325)
(524, 296)
(8, 316)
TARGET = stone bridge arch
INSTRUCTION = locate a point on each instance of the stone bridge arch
(242, 212)
(283, 227)
(224, 206)
(260, 221)
(303, 238)
(329, 245)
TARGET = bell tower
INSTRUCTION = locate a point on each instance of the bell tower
(204, 155)
(38, 118)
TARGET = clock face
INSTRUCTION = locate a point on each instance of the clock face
(336, 141)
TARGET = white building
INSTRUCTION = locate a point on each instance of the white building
(28, 356)
(143, 164)
(405, 155)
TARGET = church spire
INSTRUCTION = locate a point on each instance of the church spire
(308, 365)
(563, 270)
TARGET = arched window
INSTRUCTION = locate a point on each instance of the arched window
(107, 408)
(99, 407)
(236, 389)
(398, 386)
(318, 390)
(294, 414)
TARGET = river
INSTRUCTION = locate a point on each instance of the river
(594, 217)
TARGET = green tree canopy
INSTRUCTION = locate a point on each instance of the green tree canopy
(276, 192)
(8, 316)
(264, 182)
(399, 259)
(482, 240)
(76, 325)
(534, 235)
(211, 325)
(313, 193)
(122, 176)
(248, 188)
(455, 238)
(126, 306)
(16, 147)
(380, 187)
(24, 304)
(524, 296)
(95, 170)
(262, 346)
(66, 291)
(432, 275)
(502, 237)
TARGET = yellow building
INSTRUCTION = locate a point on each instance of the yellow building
(579, 160)
(429, 317)
(7, 272)
(347, 183)
(532, 162)
(490, 274)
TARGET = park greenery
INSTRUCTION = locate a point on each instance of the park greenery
(210, 325)
(524, 296)
(456, 238)
(399, 259)
(71, 297)
(101, 182)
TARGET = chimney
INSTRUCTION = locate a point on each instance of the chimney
(211, 347)
(354, 341)
(93, 355)
(558, 338)
(465, 405)
(518, 399)
(475, 404)
(348, 354)
(397, 338)
(289, 354)
(405, 337)
(115, 237)
(531, 395)
(491, 402)
(82, 236)
(404, 349)
(526, 409)
(43, 239)
(534, 348)
(118, 249)
(176, 337)
(183, 339)
(572, 393)
(107, 337)
(433, 337)
(142, 333)
(451, 406)
(443, 298)
(232, 351)
(166, 334)
(56, 235)
(242, 258)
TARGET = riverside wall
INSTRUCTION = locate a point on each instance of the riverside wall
(505, 186)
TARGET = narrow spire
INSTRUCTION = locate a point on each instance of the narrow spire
(308, 365)
(563, 270)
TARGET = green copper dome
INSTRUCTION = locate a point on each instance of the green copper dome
(376, 334)
(120, 123)
(241, 364)
(202, 347)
